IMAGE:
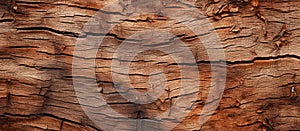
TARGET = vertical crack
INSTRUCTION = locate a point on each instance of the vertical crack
(61, 125)
(170, 104)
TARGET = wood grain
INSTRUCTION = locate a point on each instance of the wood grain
(37, 40)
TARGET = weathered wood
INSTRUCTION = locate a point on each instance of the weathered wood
(37, 40)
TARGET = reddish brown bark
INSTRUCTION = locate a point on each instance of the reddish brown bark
(37, 40)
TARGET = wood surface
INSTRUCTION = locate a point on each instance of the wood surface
(260, 39)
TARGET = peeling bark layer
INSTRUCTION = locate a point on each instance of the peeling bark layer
(37, 40)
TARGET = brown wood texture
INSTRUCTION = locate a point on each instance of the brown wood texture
(260, 39)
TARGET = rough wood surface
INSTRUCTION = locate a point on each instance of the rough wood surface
(261, 44)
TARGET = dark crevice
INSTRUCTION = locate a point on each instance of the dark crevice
(147, 20)
(85, 34)
(6, 20)
(19, 115)
(65, 33)
(250, 61)
(80, 7)
(264, 59)
(61, 125)
(41, 68)
(48, 115)
(20, 47)
(31, 2)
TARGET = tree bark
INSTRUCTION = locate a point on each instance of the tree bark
(260, 40)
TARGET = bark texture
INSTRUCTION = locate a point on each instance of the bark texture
(260, 38)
